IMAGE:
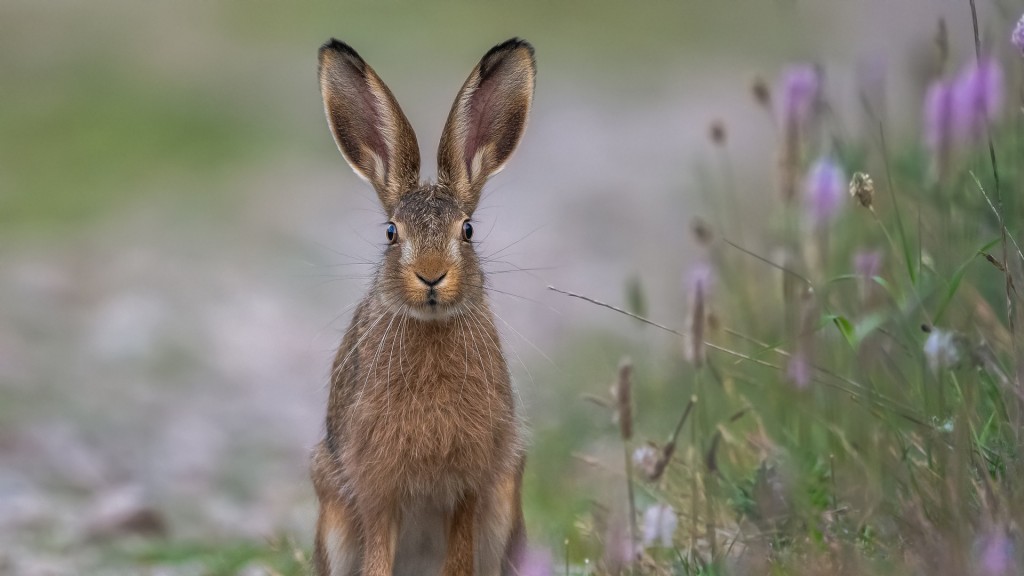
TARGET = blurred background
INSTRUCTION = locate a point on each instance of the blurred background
(181, 243)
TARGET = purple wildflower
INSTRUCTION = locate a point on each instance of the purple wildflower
(941, 350)
(799, 370)
(824, 191)
(1017, 38)
(660, 524)
(997, 555)
(619, 550)
(977, 98)
(700, 279)
(536, 562)
(938, 116)
(800, 87)
(867, 263)
(645, 459)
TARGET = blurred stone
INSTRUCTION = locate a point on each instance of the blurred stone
(121, 512)
(61, 455)
(24, 564)
(231, 518)
(127, 326)
(24, 511)
(41, 279)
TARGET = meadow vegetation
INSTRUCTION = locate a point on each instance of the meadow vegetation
(847, 397)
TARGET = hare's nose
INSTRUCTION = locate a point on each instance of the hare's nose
(431, 283)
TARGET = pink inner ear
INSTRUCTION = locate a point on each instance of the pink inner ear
(481, 120)
(361, 126)
(372, 135)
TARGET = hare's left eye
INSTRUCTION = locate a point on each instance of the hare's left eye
(467, 231)
(392, 232)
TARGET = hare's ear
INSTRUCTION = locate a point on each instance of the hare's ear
(370, 129)
(487, 120)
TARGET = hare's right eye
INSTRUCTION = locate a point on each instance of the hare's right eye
(392, 232)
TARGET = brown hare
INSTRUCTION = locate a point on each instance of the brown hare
(421, 466)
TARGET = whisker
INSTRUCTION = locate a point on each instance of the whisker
(527, 340)
(519, 358)
(514, 295)
(528, 234)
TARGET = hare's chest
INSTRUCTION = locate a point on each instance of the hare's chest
(432, 420)
(445, 415)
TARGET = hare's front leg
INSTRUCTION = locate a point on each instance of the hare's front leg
(458, 559)
(501, 536)
(336, 550)
(379, 522)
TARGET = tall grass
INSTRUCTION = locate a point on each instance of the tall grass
(855, 379)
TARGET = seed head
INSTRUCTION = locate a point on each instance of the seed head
(701, 232)
(862, 188)
(762, 94)
(717, 133)
(942, 43)
(1017, 38)
(700, 279)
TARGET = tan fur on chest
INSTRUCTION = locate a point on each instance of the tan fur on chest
(433, 413)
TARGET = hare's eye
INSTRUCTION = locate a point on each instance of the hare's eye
(467, 231)
(392, 232)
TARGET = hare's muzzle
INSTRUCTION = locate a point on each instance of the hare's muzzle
(432, 283)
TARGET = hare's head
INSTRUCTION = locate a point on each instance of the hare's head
(430, 266)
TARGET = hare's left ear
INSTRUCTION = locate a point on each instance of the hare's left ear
(487, 120)
(369, 127)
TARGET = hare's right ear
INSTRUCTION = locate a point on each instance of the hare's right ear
(370, 129)
(487, 120)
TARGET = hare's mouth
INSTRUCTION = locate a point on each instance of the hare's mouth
(432, 296)
(431, 310)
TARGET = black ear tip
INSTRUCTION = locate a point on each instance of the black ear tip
(510, 45)
(335, 46)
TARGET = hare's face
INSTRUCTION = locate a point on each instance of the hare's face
(430, 266)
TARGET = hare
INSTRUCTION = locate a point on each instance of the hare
(421, 466)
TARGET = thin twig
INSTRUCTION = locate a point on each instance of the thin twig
(999, 216)
(616, 309)
(768, 262)
(903, 411)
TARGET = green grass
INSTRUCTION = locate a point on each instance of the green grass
(98, 139)
(216, 559)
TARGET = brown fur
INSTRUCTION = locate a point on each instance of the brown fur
(421, 465)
